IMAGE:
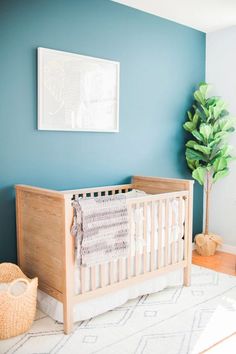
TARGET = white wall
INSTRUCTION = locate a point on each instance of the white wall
(221, 72)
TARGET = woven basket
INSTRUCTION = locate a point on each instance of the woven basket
(16, 312)
(206, 245)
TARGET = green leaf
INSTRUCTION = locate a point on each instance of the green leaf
(190, 116)
(220, 164)
(216, 127)
(227, 124)
(220, 135)
(220, 174)
(205, 111)
(214, 142)
(204, 88)
(190, 143)
(197, 135)
(195, 119)
(231, 130)
(199, 174)
(205, 131)
(191, 164)
(198, 97)
(189, 126)
(202, 115)
(226, 150)
(224, 113)
(194, 155)
(204, 149)
(219, 107)
(212, 100)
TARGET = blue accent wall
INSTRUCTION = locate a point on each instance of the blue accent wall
(161, 62)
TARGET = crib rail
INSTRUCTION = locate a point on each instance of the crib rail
(158, 243)
(94, 192)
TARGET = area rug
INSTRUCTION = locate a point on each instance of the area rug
(172, 321)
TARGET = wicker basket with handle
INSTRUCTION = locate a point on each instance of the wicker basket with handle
(17, 312)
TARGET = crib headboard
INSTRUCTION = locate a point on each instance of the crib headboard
(156, 185)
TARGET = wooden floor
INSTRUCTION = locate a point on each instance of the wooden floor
(221, 262)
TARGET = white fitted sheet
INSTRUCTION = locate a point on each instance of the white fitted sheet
(91, 308)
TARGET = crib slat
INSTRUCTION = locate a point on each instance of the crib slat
(130, 239)
(92, 277)
(180, 228)
(186, 229)
(102, 275)
(82, 269)
(167, 230)
(152, 237)
(111, 270)
(173, 242)
(137, 263)
(82, 279)
(128, 264)
(120, 269)
(160, 228)
(137, 235)
(145, 237)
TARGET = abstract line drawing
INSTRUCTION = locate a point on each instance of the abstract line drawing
(77, 92)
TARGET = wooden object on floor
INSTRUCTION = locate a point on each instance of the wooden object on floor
(220, 262)
(46, 247)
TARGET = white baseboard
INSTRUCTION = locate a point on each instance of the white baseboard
(228, 248)
(224, 248)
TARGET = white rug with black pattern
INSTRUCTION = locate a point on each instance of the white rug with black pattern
(177, 320)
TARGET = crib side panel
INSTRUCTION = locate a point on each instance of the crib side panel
(40, 235)
(157, 224)
(156, 185)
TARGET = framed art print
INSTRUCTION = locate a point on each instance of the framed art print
(77, 92)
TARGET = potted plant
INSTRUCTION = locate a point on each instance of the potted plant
(208, 153)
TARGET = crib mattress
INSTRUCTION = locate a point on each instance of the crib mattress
(91, 308)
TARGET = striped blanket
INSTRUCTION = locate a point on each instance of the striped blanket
(101, 228)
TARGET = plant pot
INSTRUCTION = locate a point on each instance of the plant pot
(206, 245)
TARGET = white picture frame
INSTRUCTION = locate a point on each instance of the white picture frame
(77, 92)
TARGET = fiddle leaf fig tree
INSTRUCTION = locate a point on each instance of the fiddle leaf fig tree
(208, 153)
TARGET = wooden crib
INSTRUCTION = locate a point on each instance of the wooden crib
(46, 248)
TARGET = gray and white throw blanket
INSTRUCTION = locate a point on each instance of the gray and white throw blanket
(101, 228)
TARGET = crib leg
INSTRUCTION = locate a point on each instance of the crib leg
(187, 275)
(68, 271)
(68, 318)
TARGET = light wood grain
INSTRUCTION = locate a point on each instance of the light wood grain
(144, 237)
(68, 267)
(180, 228)
(188, 236)
(152, 237)
(46, 247)
(160, 230)
(128, 282)
(40, 220)
(156, 185)
(167, 207)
